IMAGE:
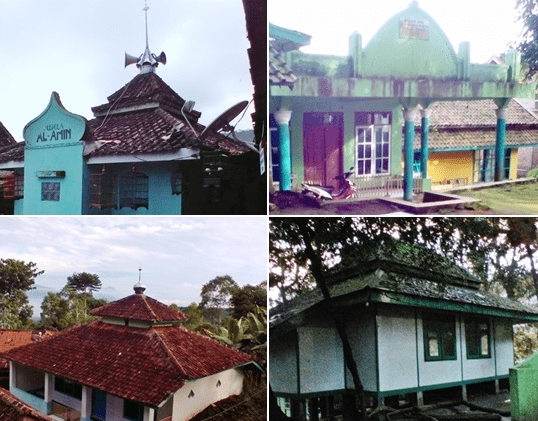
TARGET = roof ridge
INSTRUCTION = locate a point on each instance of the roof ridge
(148, 306)
(169, 352)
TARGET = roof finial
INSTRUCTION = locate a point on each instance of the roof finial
(145, 9)
(148, 61)
(139, 288)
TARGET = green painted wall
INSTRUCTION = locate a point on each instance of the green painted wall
(349, 108)
(524, 390)
(54, 156)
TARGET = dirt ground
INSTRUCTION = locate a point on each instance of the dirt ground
(296, 204)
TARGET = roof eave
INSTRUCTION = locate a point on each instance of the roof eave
(181, 154)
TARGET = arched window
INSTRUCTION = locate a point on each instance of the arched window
(134, 190)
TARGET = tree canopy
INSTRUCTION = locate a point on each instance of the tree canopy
(499, 251)
(16, 278)
(528, 46)
(84, 282)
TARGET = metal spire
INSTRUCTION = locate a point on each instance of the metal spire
(147, 62)
(139, 288)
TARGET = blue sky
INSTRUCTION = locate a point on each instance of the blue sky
(177, 255)
(488, 25)
(77, 49)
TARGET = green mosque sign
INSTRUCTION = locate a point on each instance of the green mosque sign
(55, 126)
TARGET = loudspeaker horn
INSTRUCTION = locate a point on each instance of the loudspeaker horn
(129, 59)
(161, 58)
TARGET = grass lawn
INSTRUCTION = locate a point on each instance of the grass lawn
(514, 199)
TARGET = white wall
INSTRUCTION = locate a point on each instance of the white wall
(504, 346)
(397, 348)
(360, 328)
(283, 363)
(206, 392)
(321, 359)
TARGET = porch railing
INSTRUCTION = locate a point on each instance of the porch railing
(384, 186)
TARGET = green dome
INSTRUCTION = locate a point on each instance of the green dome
(410, 45)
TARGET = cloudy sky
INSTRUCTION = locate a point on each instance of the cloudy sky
(488, 25)
(77, 49)
(177, 255)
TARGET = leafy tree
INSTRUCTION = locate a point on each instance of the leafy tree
(84, 282)
(245, 299)
(216, 295)
(73, 303)
(528, 46)
(56, 312)
(16, 278)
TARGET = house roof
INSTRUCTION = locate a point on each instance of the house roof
(140, 307)
(12, 338)
(6, 138)
(460, 125)
(143, 365)
(279, 72)
(13, 409)
(145, 116)
(478, 113)
(392, 281)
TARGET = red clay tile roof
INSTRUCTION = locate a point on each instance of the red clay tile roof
(13, 409)
(140, 307)
(13, 152)
(5, 137)
(479, 138)
(145, 117)
(479, 113)
(466, 125)
(143, 365)
(12, 338)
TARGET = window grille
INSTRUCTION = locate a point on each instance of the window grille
(13, 186)
(134, 190)
(102, 191)
(50, 191)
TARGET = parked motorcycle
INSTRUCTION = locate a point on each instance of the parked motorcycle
(346, 188)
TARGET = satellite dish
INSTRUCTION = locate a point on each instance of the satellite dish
(222, 122)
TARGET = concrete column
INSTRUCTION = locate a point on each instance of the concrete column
(497, 387)
(282, 118)
(49, 387)
(86, 404)
(499, 144)
(420, 398)
(409, 137)
(12, 375)
(424, 138)
(463, 392)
